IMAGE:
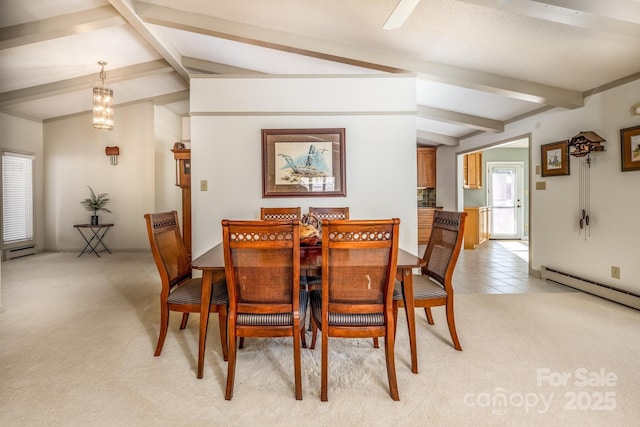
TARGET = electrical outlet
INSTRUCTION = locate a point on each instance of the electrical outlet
(615, 272)
(203, 185)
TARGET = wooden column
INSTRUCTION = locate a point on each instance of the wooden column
(182, 156)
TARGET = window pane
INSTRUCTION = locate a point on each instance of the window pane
(17, 197)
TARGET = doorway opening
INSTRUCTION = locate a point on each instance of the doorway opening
(501, 152)
(505, 192)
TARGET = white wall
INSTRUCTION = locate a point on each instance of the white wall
(555, 238)
(74, 155)
(26, 136)
(378, 115)
(167, 131)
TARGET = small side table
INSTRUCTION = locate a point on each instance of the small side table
(93, 235)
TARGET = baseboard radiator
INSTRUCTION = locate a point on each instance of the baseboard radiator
(609, 292)
(19, 252)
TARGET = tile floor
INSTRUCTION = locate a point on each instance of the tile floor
(498, 267)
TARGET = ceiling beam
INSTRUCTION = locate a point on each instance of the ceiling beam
(167, 98)
(487, 82)
(503, 86)
(400, 14)
(612, 16)
(430, 138)
(209, 67)
(59, 26)
(514, 119)
(257, 36)
(126, 9)
(156, 100)
(466, 120)
(83, 82)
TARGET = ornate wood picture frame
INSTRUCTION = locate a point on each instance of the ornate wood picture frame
(630, 149)
(303, 163)
(555, 158)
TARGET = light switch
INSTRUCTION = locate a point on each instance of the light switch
(203, 185)
(541, 185)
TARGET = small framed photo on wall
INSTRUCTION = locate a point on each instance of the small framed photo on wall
(555, 158)
(630, 149)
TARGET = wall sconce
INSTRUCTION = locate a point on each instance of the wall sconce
(102, 104)
(581, 146)
(635, 109)
(113, 153)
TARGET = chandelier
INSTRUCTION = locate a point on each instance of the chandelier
(102, 103)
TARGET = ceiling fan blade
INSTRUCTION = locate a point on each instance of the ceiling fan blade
(400, 14)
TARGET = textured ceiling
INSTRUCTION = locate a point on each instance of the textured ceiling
(480, 64)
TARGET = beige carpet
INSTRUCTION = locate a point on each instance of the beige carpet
(77, 338)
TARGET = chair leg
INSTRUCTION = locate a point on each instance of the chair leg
(389, 347)
(376, 344)
(452, 324)
(164, 326)
(231, 365)
(325, 366)
(222, 321)
(185, 319)
(296, 361)
(303, 336)
(427, 310)
(395, 318)
(314, 332)
(241, 344)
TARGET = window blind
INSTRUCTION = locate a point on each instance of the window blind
(17, 197)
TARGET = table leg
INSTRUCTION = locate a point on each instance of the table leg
(88, 244)
(100, 237)
(207, 278)
(409, 308)
(97, 233)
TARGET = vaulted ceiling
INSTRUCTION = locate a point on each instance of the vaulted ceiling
(480, 64)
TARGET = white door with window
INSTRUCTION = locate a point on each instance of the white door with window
(505, 191)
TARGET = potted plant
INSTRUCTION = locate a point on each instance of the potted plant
(95, 203)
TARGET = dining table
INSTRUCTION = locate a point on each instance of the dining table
(212, 261)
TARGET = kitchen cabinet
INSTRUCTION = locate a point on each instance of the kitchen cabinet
(477, 226)
(472, 170)
(426, 157)
(425, 223)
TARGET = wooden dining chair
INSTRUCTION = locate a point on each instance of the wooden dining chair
(280, 214)
(434, 286)
(180, 291)
(315, 282)
(262, 266)
(330, 213)
(359, 260)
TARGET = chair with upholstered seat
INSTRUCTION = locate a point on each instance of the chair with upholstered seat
(359, 260)
(314, 282)
(180, 291)
(329, 213)
(262, 266)
(280, 214)
(434, 286)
